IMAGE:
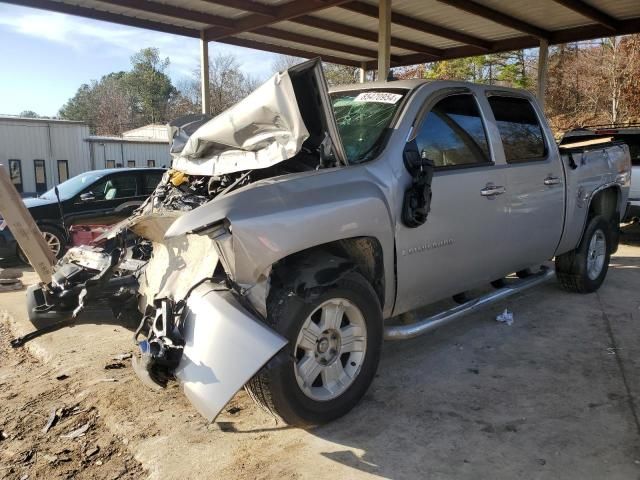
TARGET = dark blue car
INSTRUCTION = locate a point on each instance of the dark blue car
(96, 197)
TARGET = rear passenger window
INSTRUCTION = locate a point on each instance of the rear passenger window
(453, 135)
(519, 128)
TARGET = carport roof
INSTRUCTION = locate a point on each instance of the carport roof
(346, 32)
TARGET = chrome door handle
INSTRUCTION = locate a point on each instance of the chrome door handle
(551, 181)
(491, 190)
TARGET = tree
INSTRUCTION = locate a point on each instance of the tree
(512, 69)
(228, 84)
(594, 82)
(121, 101)
(29, 114)
(335, 74)
(149, 85)
(339, 74)
(282, 62)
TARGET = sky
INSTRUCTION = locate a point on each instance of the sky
(46, 56)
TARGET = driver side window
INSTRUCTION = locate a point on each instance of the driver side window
(453, 135)
(114, 187)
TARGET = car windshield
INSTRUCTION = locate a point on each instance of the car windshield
(362, 117)
(74, 186)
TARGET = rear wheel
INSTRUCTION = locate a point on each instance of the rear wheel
(584, 269)
(333, 352)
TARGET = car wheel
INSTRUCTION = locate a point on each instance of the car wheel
(54, 238)
(584, 269)
(334, 348)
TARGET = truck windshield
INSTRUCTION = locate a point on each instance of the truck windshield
(363, 116)
(75, 185)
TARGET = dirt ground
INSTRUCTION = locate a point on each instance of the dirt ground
(555, 395)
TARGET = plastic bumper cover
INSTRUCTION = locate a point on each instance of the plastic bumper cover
(225, 345)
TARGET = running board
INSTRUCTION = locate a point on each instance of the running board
(404, 332)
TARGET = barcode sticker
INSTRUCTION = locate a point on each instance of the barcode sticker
(378, 97)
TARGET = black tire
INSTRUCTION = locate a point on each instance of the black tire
(572, 267)
(48, 230)
(275, 387)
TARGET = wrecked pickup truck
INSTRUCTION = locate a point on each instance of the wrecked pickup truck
(294, 229)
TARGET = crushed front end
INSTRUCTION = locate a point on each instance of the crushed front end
(196, 294)
(191, 321)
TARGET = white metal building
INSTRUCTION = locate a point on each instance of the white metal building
(112, 152)
(40, 153)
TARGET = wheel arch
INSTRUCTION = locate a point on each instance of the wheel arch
(326, 263)
(605, 202)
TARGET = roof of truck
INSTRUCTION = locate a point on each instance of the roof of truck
(416, 82)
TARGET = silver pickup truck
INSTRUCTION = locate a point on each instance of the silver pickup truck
(295, 230)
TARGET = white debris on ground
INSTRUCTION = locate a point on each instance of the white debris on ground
(505, 317)
(10, 280)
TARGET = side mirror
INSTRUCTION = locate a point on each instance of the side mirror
(87, 197)
(417, 198)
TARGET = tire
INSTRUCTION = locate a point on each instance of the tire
(54, 238)
(286, 386)
(584, 269)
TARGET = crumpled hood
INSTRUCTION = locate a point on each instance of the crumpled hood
(265, 128)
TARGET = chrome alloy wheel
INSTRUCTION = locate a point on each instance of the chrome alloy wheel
(330, 349)
(53, 242)
(596, 254)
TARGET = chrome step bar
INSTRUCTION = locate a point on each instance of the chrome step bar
(425, 325)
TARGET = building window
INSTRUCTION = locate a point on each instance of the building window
(131, 163)
(40, 175)
(15, 172)
(63, 170)
(110, 163)
(151, 163)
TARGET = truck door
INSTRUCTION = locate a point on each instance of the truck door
(460, 245)
(535, 182)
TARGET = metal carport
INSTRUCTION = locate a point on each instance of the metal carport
(368, 34)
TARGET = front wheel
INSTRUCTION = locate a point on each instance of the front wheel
(584, 269)
(333, 353)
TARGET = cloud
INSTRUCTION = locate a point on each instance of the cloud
(86, 36)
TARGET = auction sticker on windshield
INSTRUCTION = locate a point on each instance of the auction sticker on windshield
(378, 97)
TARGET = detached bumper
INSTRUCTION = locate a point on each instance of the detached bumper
(225, 345)
(41, 314)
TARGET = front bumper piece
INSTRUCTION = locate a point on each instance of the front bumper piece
(225, 345)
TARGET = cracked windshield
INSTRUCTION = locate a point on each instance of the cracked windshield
(363, 117)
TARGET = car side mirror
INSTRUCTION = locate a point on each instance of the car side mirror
(87, 197)
(417, 198)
